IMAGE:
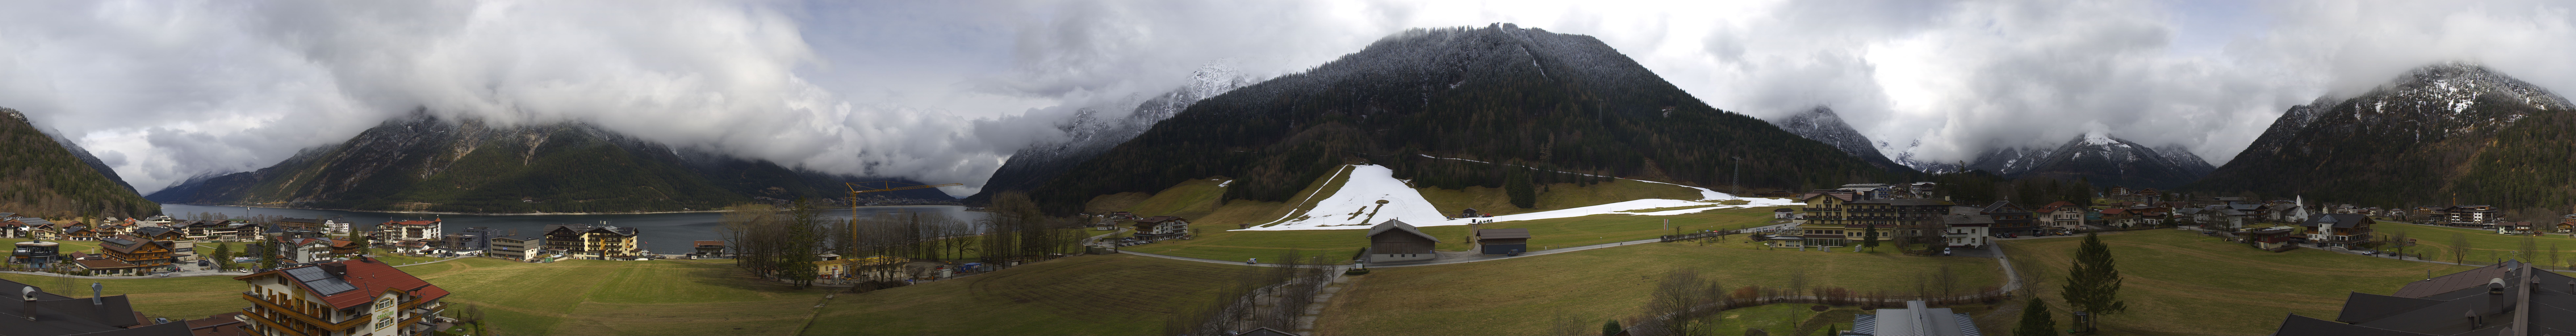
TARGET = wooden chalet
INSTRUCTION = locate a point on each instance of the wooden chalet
(2272, 239)
(132, 255)
(2011, 218)
(2063, 215)
(1394, 241)
(355, 297)
(2337, 230)
(709, 248)
(1502, 241)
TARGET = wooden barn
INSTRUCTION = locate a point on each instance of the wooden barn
(1502, 241)
(1394, 241)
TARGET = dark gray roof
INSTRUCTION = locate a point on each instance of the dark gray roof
(1967, 219)
(1399, 225)
(1915, 320)
(1903, 201)
(1502, 233)
(2447, 305)
(320, 280)
(147, 232)
(2003, 206)
(2337, 220)
(63, 315)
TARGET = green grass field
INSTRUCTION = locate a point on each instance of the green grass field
(1214, 242)
(1526, 296)
(1086, 295)
(2221, 288)
(2434, 242)
(1556, 196)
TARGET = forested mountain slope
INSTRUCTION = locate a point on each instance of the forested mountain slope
(424, 163)
(40, 177)
(2438, 132)
(1821, 124)
(1496, 94)
(1090, 134)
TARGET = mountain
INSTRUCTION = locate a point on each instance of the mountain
(2108, 161)
(1496, 94)
(2433, 133)
(46, 178)
(1906, 156)
(1821, 124)
(425, 163)
(1088, 134)
(90, 160)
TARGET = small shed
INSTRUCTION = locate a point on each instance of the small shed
(1396, 241)
(1503, 241)
(1781, 213)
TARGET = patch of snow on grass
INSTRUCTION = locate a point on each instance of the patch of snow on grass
(1370, 183)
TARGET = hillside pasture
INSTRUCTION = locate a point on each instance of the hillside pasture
(1087, 295)
(1214, 242)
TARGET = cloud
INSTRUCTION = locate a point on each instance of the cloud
(945, 91)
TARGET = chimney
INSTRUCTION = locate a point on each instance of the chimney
(96, 289)
(27, 306)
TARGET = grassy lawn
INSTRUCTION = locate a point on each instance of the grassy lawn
(1338, 245)
(1087, 295)
(2221, 288)
(1526, 296)
(2434, 242)
(585, 297)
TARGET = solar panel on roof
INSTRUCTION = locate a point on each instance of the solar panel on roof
(320, 281)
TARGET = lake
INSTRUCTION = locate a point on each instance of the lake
(664, 233)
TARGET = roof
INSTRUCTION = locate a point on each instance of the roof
(414, 222)
(62, 315)
(103, 264)
(1266, 331)
(1967, 219)
(1845, 196)
(148, 231)
(2454, 281)
(2114, 211)
(587, 228)
(1502, 233)
(1903, 201)
(2002, 206)
(364, 279)
(1915, 319)
(706, 242)
(1160, 219)
(2337, 220)
(1397, 225)
(217, 325)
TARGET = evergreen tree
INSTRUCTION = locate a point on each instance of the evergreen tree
(2093, 284)
(1610, 327)
(2036, 321)
(1869, 237)
(1518, 187)
(267, 255)
(357, 238)
(223, 257)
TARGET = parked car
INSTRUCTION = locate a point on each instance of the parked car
(1945, 251)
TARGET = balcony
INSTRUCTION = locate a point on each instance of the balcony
(299, 315)
(268, 324)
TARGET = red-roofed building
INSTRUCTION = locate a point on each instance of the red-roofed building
(356, 297)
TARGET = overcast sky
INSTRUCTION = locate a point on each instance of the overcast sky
(945, 91)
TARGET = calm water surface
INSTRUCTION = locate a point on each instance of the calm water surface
(662, 233)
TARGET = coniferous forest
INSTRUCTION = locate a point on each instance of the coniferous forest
(1496, 94)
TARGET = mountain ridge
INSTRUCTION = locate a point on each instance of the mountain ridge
(427, 163)
(2436, 131)
(1498, 94)
(1821, 124)
(48, 179)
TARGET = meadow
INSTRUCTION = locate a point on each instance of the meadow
(1544, 294)
(2222, 288)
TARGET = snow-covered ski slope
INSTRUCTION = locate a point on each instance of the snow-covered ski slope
(1356, 205)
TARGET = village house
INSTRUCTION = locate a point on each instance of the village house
(1782, 213)
(2478, 216)
(413, 236)
(601, 241)
(709, 248)
(2009, 218)
(1161, 227)
(2567, 224)
(520, 248)
(306, 224)
(346, 298)
(130, 255)
(1970, 231)
(1868, 190)
(2062, 215)
(1394, 241)
(1500, 241)
(2337, 230)
(79, 232)
(10, 227)
(183, 249)
(2119, 191)
(2272, 239)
